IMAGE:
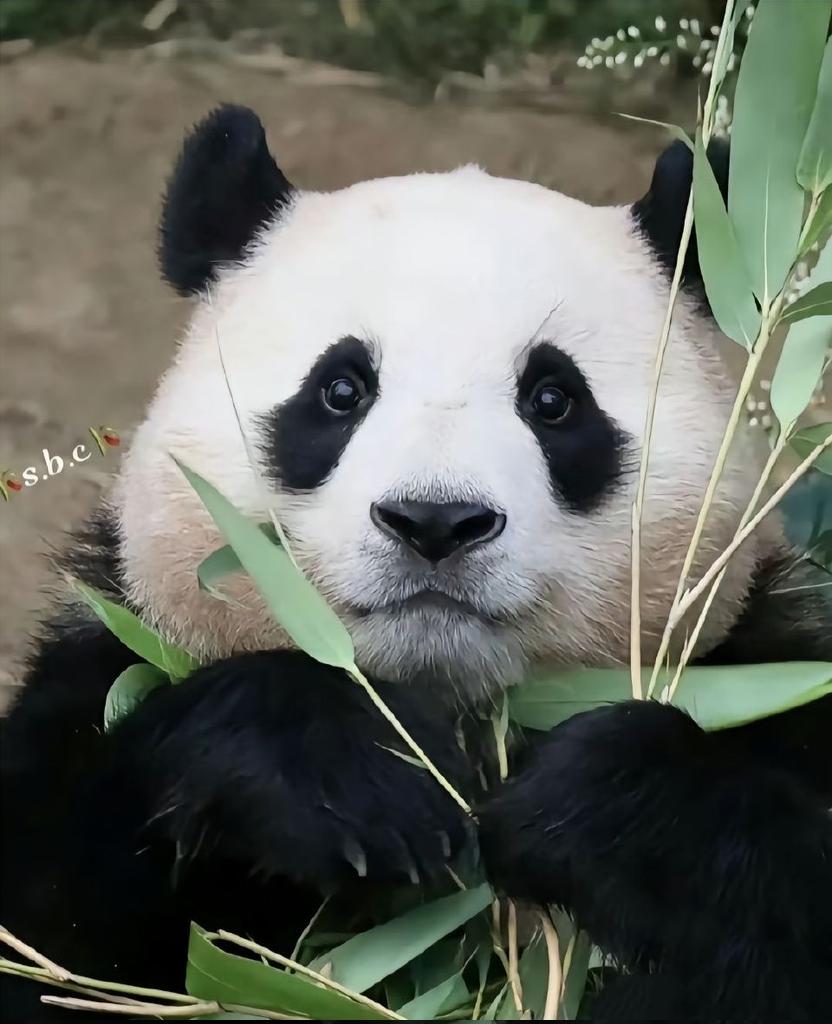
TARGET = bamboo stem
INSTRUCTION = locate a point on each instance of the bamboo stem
(776, 452)
(750, 372)
(513, 958)
(553, 989)
(364, 682)
(652, 402)
(696, 592)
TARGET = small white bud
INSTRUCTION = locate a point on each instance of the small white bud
(652, 51)
(695, 26)
(621, 35)
(684, 24)
(633, 32)
(664, 59)
(681, 42)
(661, 24)
(610, 62)
(638, 60)
(620, 57)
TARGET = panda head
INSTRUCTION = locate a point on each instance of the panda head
(442, 381)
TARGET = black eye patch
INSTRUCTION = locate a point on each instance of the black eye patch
(302, 439)
(583, 448)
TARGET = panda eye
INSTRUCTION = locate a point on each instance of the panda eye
(343, 394)
(550, 404)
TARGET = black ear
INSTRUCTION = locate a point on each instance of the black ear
(660, 214)
(224, 187)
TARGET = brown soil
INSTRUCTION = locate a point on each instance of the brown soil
(86, 327)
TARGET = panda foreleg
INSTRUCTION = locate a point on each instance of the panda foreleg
(701, 867)
(233, 799)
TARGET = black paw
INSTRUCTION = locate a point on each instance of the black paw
(677, 851)
(284, 765)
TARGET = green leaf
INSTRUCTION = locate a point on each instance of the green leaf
(292, 599)
(674, 129)
(496, 1005)
(224, 562)
(773, 104)
(805, 441)
(574, 985)
(366, 959)
(443, 998)
(723, 271)
(800, 366)
(717, 697)
(817, 302)
(533, 970)
(814, 168)
(226, 977)
(130, 689)
(133, 633)
(821, 225)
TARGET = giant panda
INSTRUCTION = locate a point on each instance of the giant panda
(442, 381)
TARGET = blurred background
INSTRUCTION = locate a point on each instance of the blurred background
(95, 96)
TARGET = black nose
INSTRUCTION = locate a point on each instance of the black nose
(436, 530)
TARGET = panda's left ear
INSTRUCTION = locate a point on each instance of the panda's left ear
(224, 187)
(660, 214)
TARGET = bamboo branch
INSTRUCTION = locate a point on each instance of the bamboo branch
(556, 978)
(652, 402)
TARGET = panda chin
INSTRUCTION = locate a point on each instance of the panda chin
(440, 643)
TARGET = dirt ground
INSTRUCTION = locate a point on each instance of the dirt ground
(86, 326)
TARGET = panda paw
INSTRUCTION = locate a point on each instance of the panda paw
(681, 854)
(276, 762)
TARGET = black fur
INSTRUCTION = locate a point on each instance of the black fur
(233, 798)
(302, 439)
(585, 452)
(701, 862)
(225, 187)
(660, 214)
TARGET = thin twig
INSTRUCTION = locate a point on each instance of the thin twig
(41, 974)
(284, 961)
(59, 973)
(364, 682)
(692, 640)
(310, 925)
(693, 595)
(148, 1009)
(652, 402)
(553, 989)
(674, 615)
(513, 958)
(68, 986)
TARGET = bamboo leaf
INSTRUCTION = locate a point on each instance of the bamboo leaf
(292, 599)
(717, 697)
(366, 959)
(817, 302)
(443, 998)
(224, 562)
(821, 225)
(773, 104)
(814, 168)
(800, 366)
(723, 271)
(226, 977)
(674, 129)
(129, 690)
(574, 985)
(133, 633)
(805, 441)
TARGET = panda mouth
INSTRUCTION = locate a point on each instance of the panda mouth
(431, 600)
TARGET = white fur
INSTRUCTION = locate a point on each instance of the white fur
(450, 277)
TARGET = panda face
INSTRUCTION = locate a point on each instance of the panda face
(443, 381)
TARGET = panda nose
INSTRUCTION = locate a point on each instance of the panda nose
(437, 530)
